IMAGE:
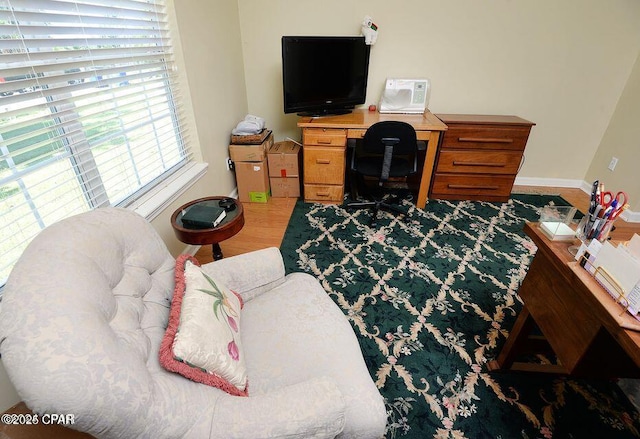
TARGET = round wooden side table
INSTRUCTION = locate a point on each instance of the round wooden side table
(229, 226)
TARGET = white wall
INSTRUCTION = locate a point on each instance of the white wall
(562, 65)
(622, 140)
(213, 90)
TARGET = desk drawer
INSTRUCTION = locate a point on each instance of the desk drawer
(324, 137)
(354, 133)
(467, 186)
(324, 165)
(328, 193)
(479, 162)
(486, 137)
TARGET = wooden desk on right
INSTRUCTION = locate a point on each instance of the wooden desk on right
(589, 332)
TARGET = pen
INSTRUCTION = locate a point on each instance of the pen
(595, 196)
(594, 229)
(609, 210)
(600, 189)
(618, 211)
(588, 224)
(606, 221)
(600, 221)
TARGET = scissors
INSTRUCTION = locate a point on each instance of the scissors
(607, 198)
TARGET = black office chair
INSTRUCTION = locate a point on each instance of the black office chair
(388, 150)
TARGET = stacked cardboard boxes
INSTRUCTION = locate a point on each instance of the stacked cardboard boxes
(284, 169)
(252, 176)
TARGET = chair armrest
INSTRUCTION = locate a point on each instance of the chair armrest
(422, 145)
(311, 409)
(249, 274)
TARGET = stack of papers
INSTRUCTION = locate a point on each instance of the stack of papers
(616, 268)
(557, 231)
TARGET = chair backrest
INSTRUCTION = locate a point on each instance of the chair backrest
(382, 146)
(81, 320)
(404, 132)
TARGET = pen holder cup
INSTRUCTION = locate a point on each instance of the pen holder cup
(594, 227)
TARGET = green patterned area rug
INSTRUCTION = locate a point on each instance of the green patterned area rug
(431, 300)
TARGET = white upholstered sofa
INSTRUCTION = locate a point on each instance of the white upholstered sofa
(86, 307)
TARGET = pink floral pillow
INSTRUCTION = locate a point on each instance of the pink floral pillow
(202, 341)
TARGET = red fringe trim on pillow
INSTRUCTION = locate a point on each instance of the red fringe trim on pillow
(167, 359)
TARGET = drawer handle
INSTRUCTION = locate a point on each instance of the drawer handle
(322, 194)
(324, 141)
(323, 161)
(484, 140)
(492, 165)
(470, 186)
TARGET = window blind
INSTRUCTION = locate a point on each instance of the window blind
(90, 113)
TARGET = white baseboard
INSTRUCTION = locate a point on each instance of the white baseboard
(550, 182)
(628, 215)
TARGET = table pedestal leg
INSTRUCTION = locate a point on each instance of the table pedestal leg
(217, 251)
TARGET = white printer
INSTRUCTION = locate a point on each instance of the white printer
(405, 96)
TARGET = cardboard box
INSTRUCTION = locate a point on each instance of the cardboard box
(251, 153)
(253, 181)
(251, 139)
(284, 160)
(285, 187)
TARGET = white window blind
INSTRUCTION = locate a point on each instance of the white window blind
(89, 113)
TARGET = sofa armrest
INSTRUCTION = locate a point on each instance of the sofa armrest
(311, 409)
(249, 274)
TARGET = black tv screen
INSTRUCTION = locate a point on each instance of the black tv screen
(324, 75)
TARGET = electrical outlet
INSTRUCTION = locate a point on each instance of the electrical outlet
(613, 163)
(228, 163)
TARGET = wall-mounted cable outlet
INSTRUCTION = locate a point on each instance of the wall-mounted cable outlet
(228, 163)
(613, 163)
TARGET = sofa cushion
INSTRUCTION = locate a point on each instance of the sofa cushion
(272, 333)
(202, 341)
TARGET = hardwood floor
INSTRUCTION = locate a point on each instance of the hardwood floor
(265, 223)
(264, 226)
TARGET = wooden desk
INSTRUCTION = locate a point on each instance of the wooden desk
(578, 319)
(324, 142)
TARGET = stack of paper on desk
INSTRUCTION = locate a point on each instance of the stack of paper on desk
(617, 269)
(557, 231)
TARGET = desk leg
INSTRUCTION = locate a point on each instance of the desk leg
(517, 342)
(517, 338)
(427, 169)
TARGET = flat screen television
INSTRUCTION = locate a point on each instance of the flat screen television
(324, 75)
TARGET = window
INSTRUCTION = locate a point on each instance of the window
(88, 111)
